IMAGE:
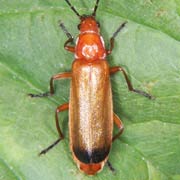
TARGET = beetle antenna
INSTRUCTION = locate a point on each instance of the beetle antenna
(95, 8)
(72, 7)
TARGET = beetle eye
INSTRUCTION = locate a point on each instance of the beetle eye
(79, 25)
(98, 24)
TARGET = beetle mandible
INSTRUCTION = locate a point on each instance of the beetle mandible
(91, 115)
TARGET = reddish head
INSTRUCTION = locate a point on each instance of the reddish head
(88, 24)
(89, 44)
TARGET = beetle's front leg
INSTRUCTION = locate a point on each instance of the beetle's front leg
(51, 92)
(70, 39)
(108, 51)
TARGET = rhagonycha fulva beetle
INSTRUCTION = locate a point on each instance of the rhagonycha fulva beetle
(91, 115)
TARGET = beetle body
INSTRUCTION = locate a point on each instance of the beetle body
(91, 113)
(90, 106)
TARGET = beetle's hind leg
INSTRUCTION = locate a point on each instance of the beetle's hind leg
(61, 136)
(51, 91)
(119, 124)
(44, 151)
(110, 166)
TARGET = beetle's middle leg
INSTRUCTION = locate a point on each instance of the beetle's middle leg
(130, 86)
(61, 136)
(51, 92)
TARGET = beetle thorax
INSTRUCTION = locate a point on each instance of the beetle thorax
(90, 46)
(89, 51)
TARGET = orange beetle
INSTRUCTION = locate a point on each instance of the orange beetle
(91, 114)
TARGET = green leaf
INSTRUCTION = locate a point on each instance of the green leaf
(31, 51)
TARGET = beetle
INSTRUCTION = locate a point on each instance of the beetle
(91, 115)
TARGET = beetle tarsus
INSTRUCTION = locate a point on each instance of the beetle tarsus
(68, 34)
(44, 151)
(40, 95)
(119, 29)
(110, 166)
(108, 51)
(70, 38)
(149, 96)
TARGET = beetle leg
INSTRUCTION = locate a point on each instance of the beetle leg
(61, 136)
(51, 92)
(70, 39)
(110, 166)
(130, 87)
(44, 151)
(69, 48)
(59, 109)
(113, 37)
(119, 124)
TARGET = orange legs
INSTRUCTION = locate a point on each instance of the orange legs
(119, 68)
(61, 136)
(58, 109)
(119, 124)
(130, 87)
(60, 75)
(55, 77)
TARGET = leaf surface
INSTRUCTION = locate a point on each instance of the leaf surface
(31, 51)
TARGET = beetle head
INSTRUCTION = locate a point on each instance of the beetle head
(88, 22)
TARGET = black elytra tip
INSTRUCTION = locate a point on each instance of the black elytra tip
(91, 156)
